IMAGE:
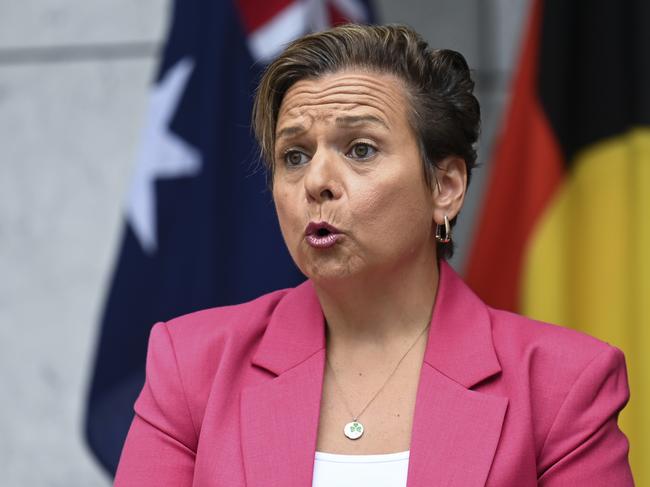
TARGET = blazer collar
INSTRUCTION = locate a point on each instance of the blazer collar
(296, 330)
(459, 344)
(455, 432)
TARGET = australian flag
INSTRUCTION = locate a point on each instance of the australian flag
(200, 226)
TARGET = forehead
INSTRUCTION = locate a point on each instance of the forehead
(353, 92)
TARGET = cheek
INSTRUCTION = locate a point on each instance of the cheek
(286, 210)
(394, 211)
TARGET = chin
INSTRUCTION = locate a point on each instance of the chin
(327, 272)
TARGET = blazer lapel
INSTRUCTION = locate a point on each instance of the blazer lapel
(279, 426)
(455, 433)
(279, 418)
(456, 430)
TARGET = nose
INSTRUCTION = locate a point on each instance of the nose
(323, 179)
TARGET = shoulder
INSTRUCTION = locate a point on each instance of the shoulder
(571, 381)
(569, 388)
(528, 351)
(199, 341)
(525, 340)
(202, 339)
(550, 358)
(202, 329)
(185, 354)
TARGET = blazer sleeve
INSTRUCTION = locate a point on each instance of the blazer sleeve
(584, 445)
(161, 444)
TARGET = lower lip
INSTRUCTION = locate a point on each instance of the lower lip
(323, 242)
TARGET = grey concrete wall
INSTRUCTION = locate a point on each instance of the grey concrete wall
(73, 85)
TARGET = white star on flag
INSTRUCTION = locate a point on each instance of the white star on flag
(162, 154)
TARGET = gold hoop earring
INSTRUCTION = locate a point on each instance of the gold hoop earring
(446, 238)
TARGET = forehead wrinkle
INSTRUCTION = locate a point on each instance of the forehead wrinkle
(342, 88)
(337, 79)
(308, 100)
(390, 87)
(324, 107)
(342, 98)
(316, 86)
(325, 112)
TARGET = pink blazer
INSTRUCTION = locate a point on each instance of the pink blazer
(232, 398)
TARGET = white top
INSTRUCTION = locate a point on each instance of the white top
(384, 470)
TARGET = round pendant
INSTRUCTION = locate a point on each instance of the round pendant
(353, 430)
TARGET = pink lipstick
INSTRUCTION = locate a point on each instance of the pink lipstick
(321, 235)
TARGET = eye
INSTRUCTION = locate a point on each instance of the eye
(362, 151)
(295, 158)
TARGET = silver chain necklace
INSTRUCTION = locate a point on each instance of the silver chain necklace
(354, 429)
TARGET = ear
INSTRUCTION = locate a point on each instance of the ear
(449, 185)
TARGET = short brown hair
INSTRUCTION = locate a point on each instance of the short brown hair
(444, 112)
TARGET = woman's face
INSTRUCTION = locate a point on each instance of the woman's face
(349, 185)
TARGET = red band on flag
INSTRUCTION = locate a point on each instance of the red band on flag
(255, 13)
(526, 170)
(336, 16)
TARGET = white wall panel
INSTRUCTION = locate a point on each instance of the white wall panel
(68, 137)
(28, 23)
(447, 24)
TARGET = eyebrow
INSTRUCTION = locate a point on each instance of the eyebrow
(289, 131)
(352, 120)
(343, 122)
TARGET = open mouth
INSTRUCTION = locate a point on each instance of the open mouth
(321, 235)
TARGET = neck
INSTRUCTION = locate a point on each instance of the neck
(381, 309)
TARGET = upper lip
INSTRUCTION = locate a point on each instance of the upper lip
(314, 227)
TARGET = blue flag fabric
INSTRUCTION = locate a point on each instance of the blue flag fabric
(201, 230)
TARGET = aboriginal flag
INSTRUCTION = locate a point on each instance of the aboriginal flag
(565, 230)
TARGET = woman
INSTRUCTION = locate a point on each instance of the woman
(383, 368)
